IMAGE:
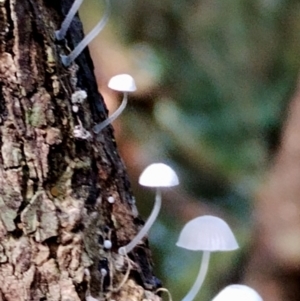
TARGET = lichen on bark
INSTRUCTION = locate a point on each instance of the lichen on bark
(54, 187)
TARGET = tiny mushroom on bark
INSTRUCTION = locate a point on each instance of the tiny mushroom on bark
(123, 83)
(60, 34)
(107, 244)
(156, 175)
(237, 292)
(208, 234)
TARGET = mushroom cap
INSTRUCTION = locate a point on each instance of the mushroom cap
(207, 233)
(237, 292)
(158, 175)
(122, 82)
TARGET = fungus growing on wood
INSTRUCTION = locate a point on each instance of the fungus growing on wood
(156, 175)
(123, 83)
(60, 34)
(208, 234)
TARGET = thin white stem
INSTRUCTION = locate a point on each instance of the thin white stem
(68, 59)
(100, 126)
(60, 34)
(126, 275)
(126, 249)
(200, 278)
(162, 289)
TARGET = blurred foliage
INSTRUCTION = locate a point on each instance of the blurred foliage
(222, 73)
(227, 70)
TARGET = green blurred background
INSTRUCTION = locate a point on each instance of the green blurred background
(214, 80)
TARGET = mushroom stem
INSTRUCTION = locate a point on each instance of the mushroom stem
(100, 126)
(126, 249)
(200, 278)
(68, 59)
(61, 33)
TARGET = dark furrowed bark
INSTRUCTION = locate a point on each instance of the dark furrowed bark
(54, 213)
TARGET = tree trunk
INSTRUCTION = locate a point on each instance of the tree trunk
(54, 208)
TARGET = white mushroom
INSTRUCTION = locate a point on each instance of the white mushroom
(207, 234)
(61, 33)
(68, 59)
(107, 244)
(157, 175)
(121, 82)
(237, 292)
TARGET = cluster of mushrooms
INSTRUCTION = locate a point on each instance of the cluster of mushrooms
(205, 233)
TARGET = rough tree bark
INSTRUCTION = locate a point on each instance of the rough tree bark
(54, 188)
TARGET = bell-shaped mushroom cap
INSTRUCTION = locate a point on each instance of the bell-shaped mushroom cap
(122, 82)
(238, 292)
(207, 233)
(158, 175)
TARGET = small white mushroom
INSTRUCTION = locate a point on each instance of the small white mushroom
(237, 292)
(61, 33)
(123, 83)
(157, 175)
(107, 244)
(208, 234)
(75, 108)
(68, 59)
(103, 272)
(111, 199)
